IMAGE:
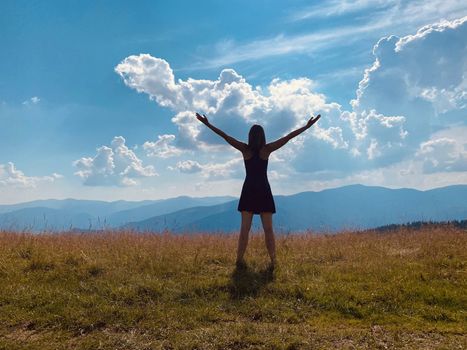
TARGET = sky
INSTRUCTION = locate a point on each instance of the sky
(97, 99)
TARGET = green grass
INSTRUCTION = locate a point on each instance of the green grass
(121, 290)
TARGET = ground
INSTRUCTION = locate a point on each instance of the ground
(402, 289)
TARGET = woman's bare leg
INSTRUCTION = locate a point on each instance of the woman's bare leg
(266, 219)
(247, 217)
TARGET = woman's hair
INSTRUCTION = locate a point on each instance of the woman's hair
(256, 138)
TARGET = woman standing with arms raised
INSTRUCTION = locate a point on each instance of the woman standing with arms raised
(256, 197)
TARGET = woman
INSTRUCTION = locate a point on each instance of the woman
(256, 197)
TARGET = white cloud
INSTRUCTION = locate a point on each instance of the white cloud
(11, 176)
(32, 101)
(162, 148)
(415, 85)
(421, 77)
(443, 154)
(230, 102)
(116, 165)
(187, 166)
(212, 171)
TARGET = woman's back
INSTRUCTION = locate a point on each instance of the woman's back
(256, 167)
(256, 194)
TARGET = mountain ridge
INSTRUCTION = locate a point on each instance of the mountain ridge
(348, 207)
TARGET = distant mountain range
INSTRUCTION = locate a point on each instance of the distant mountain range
(72, 214)
(349, 207)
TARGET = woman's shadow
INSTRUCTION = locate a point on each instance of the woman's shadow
(247, 283)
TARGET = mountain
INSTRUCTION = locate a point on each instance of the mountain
(43, 219)
(95, 208)
(162, 207)
(349, 207)
(67, 214)
(186, 219)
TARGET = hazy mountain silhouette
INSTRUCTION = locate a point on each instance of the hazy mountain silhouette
(349, 207)
(94, 208)
(68, 214)
(162, 207)
(44, 219)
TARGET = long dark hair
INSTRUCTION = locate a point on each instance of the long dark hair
(256, 138)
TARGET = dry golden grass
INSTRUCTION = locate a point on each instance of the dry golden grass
(123, 290)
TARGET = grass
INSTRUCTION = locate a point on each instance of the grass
(122, 290)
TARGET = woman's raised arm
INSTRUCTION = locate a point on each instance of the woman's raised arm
(241, 146)
(273, 146)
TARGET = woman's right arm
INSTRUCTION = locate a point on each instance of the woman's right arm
(242, 147)
(273, 146)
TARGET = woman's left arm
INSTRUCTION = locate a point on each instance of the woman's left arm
(273, 146)
(241, 146)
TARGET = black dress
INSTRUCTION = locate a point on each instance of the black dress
(256, 193)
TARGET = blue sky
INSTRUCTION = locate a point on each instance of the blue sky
(96, 98)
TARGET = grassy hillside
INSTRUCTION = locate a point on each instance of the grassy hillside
(402, 289)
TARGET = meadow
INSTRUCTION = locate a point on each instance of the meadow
(402, 289)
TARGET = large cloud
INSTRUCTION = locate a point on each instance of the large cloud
(11, 176)
(212, 171)
(116, 165)
(415, 86)
(422, 76)
(445, 153)
(234, 105)
(162, 148)
(229, 101)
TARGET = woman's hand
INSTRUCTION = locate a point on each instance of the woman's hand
(313, 120)
(202, 118)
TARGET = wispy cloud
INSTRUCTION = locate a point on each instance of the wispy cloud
(229, 52)
(408, 10)
(341, 73)
(32, 101)
(339, 8)
(397, 18)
